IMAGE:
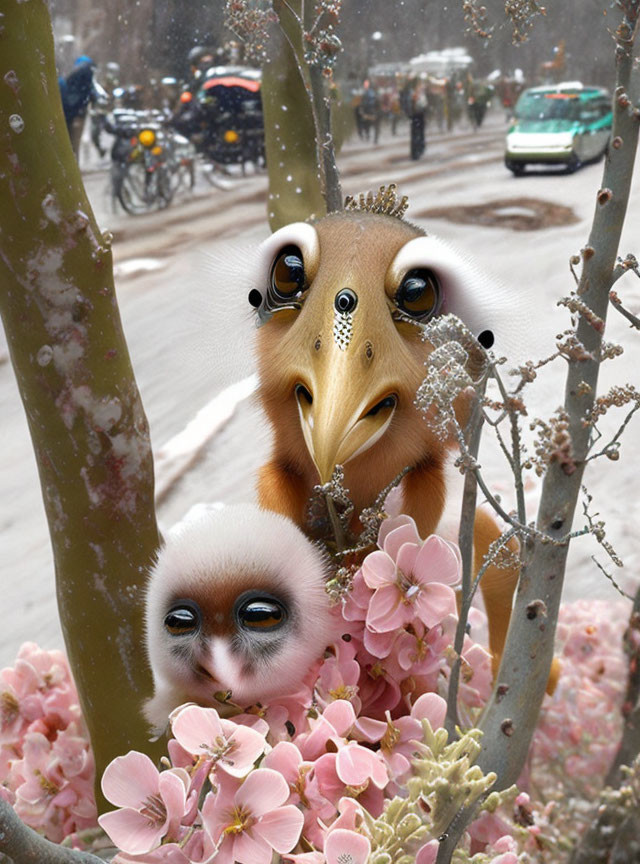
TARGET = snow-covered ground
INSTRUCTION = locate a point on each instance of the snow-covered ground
(189, 343)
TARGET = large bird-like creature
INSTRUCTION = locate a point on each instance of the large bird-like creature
(340, 360)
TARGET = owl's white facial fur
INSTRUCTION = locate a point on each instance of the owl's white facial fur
(212, 566)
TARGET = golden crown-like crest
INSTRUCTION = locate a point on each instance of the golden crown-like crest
(384, 201)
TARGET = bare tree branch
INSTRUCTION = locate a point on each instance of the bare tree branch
(465, 542)
(512, 712)
(617, 304)
(25, 846)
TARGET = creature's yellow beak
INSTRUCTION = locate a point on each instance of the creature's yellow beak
(342, 412)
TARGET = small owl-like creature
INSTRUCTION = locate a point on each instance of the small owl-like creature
(236, 604)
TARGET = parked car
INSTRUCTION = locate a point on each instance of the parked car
(567, 124)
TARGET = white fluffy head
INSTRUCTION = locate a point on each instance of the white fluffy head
(208, 598)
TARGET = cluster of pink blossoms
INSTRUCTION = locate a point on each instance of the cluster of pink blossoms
(304, 776)
(46, 764)
(579, 727)
(298, 776)
(402, 612)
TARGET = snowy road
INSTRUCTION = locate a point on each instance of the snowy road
(184, 331)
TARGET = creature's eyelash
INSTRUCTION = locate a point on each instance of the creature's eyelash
(398, 315)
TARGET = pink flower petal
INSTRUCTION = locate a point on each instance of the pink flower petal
(407, 533)
(355, 765)
(406, 557)
(173, 788)
(428, 853)
(350, 814)
(341, 715)
(306, 858)
(369, 729)
(286, 759)
(130, 779)
(217, 808)
(430, 707)
(391, 524)
(378, 569)
(131, 831)
(379, 644)
(250, 848)
(434, 603)
(281, 827)
(263, 790)
(246, 746)
(437, 562)
(342, 845)
(384, 613)
(197, 729)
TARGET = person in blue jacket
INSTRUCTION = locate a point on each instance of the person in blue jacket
(77, 90)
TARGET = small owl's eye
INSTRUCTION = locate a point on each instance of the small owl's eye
(183, 619)
(261, 613)
(419, 295)
(287, 274)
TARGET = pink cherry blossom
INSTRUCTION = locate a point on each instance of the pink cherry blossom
(356, 603)
(342, 846)
(333, 724)
(428, 853)
(325, 781)
(303, 772)
(228, 745)
(152, 803)
(287, 760)
(357, 765)
(476, 678)
(37, 690)
(251, 824)
(410, 581)
(338, 676)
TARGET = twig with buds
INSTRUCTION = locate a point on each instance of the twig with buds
(510, 717)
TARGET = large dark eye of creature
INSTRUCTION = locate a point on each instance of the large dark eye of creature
(287, 274)
(183, 618)
(419, 295)
(260, 612)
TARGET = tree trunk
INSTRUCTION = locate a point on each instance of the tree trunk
(510, 717)
(85, 416)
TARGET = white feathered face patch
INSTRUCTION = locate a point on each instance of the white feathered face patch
(236, 604)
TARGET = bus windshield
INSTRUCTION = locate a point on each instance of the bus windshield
(548, 106)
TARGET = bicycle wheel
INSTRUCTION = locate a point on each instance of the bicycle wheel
(138, 189)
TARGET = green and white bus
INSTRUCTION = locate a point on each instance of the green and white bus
(567, 124)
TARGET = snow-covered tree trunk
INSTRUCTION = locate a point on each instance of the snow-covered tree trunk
(85, 416)
(297, 45)
(294, 190)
